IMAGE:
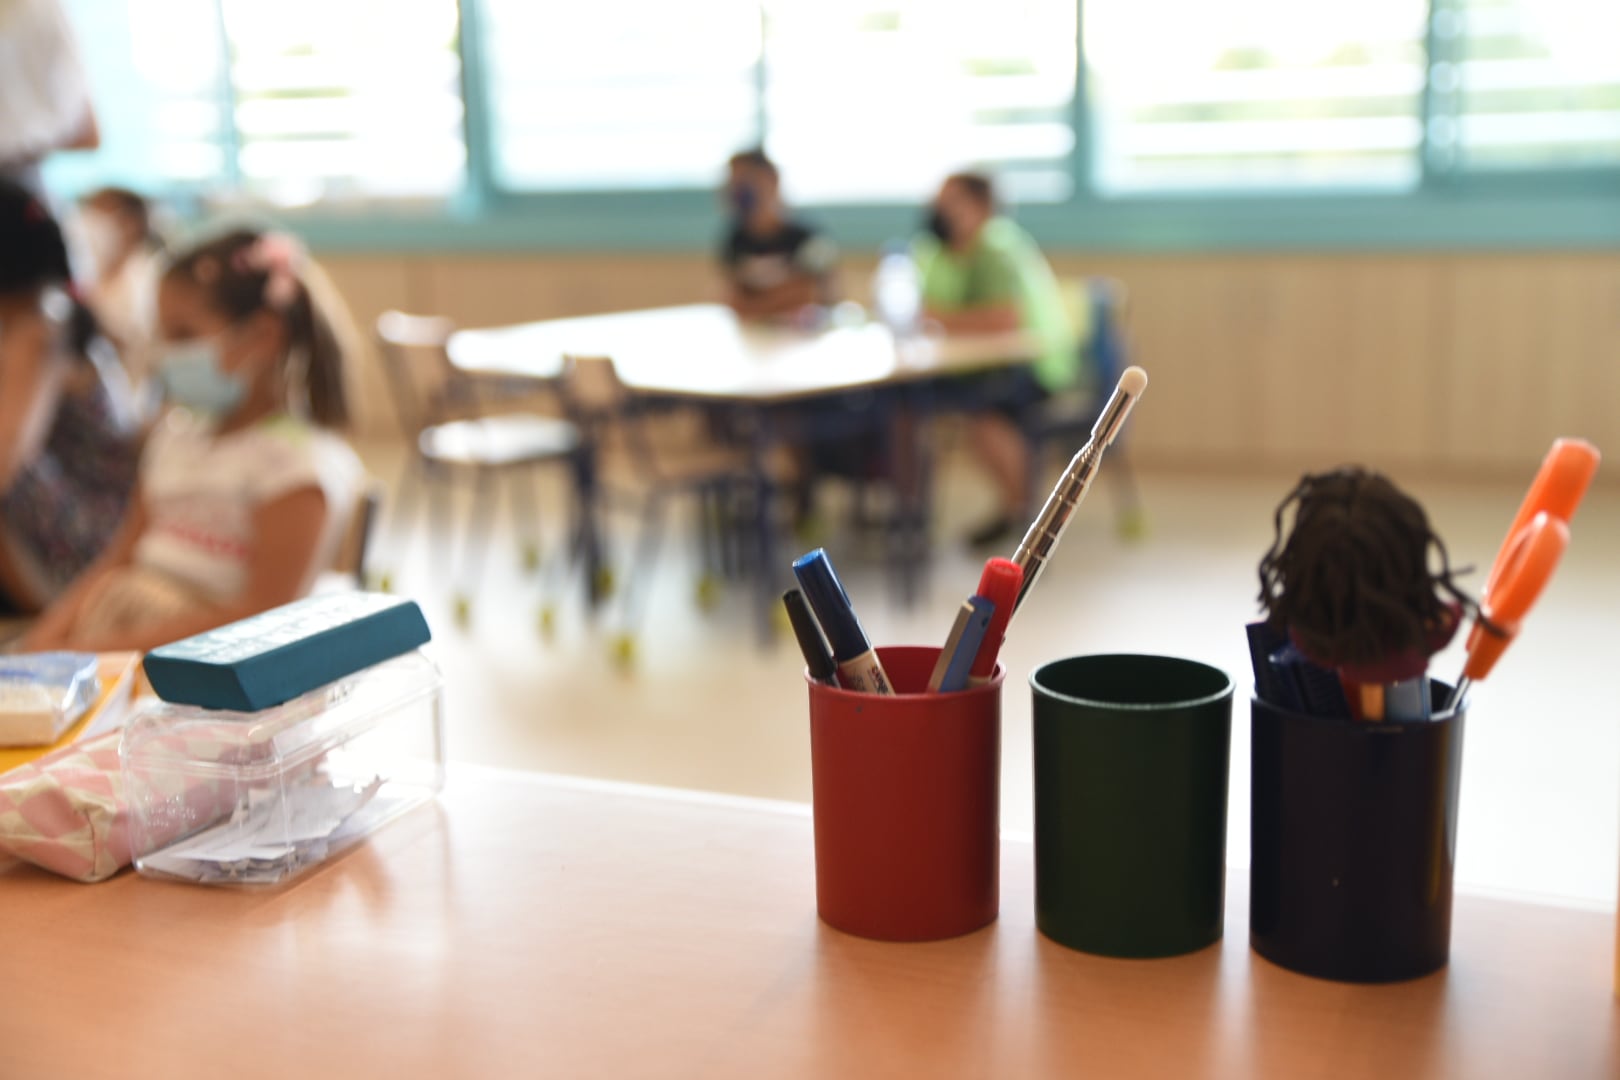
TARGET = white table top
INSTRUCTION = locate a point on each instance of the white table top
(705, 351)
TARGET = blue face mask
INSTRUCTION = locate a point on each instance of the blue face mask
(743, 200)
(191, 376)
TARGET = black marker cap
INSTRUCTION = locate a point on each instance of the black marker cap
(817, 658)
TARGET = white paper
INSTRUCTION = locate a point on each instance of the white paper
(259, 843)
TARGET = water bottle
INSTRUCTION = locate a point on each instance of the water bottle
(896, 292)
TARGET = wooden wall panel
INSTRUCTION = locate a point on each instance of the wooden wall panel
(1181, 320)
(1391, 340)
(1466, 362)
(483, 291)
(1533, 352)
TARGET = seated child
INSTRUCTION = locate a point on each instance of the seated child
(125, 262)
(69, 436)
(244, 489)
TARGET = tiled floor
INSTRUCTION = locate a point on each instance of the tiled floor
(705, 707)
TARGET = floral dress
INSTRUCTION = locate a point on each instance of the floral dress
(64, 506)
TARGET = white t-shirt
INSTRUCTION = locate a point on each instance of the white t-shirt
(200, 491)
(44, 96)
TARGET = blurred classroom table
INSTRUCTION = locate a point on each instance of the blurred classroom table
(704, 351)
(530, 926)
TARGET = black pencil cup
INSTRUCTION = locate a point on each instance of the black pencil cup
(1353, 836)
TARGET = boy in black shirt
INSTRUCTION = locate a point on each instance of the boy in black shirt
(773, 264)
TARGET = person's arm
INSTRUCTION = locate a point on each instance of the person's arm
(31, 379)
(997, 318)
(781, 299)
(55, 626)
(995, 307)
(817, 261)
(287, 533)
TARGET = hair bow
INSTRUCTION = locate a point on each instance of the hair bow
(280, 258)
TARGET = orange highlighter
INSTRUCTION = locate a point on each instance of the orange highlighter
(1535, 543)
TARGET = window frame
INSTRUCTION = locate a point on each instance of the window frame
(1450, 207)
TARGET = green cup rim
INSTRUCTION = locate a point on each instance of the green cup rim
(1132, 706)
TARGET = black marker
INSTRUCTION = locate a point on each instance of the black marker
(817, 657)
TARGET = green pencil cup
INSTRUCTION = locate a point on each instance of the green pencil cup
(1131, 761)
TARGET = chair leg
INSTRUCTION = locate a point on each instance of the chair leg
(402, 517)
(586, 546)
(642, 570)
(920, 513)
(364, 527)
(729, 508)
(767, 572)
(711, 530)
(525, 516)
(574, 558)
(1034, 458)
(1130, 519)
(588, 555)
(480, 522)
(441, 529)
(905, 450)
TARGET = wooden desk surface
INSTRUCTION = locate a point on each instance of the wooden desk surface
(704, 351)
(535, 927)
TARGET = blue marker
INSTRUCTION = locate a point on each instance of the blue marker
(858, 666)
(962, 646)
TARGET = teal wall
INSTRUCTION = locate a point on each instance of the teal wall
(1424, 220)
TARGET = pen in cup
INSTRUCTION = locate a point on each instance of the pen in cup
(962, 646)
(1042, 538)
(1408, 699)
(858, 666)
(1366, 699)
(998, 583)
(818, 660)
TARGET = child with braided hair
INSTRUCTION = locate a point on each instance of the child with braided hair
(244, 486)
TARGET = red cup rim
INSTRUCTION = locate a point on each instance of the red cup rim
(997, 677)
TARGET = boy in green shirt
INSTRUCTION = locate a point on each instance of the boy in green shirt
(982, 274)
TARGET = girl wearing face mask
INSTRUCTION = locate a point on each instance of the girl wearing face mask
(126, 256)
(68, 443)
(244, 486)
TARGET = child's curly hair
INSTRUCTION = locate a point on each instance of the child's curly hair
(1351, 581)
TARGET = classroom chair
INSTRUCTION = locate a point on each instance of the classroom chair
(877, 444)
(348, 566)
(643, 454)
(1061, 424)
(452, 438)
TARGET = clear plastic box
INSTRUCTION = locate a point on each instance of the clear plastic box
(42, 694)
(257, 798)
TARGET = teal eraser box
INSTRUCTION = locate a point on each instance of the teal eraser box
(268, 659)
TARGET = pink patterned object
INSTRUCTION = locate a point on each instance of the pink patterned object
(67, 813)
(280, 257)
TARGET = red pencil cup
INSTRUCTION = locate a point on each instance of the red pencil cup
(907, 803)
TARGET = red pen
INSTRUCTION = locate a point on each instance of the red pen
(999, 584)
